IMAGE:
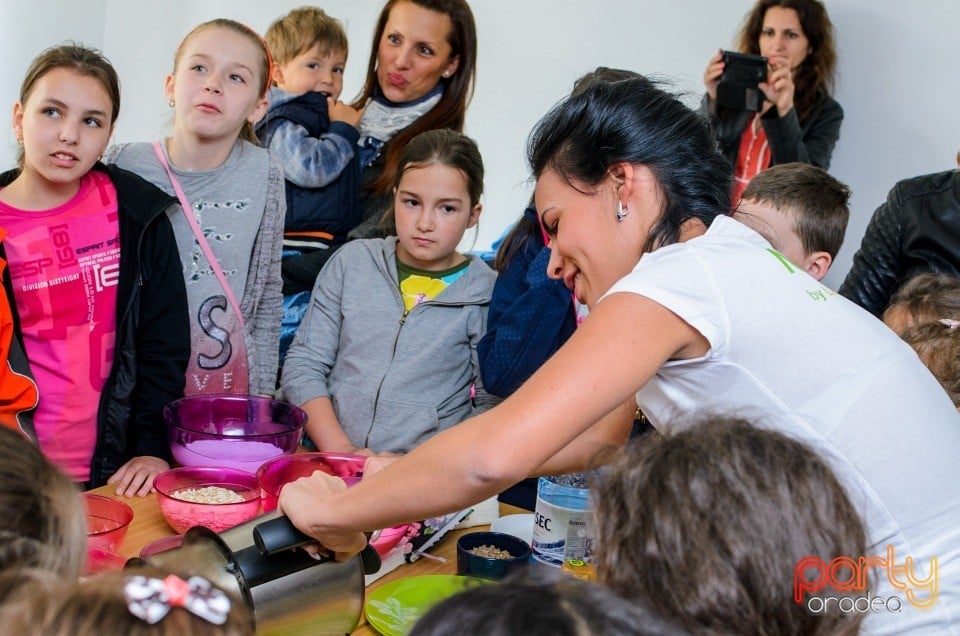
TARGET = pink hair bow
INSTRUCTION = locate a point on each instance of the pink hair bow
(151, 599)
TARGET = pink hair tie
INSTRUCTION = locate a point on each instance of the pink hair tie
(950, 323)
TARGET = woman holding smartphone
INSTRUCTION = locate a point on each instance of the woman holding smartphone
(799, 120)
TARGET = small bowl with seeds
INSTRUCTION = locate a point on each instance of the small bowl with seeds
(491, 555)
(216, 498)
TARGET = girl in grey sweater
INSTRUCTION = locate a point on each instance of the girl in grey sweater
(234, 191)
(386, 355)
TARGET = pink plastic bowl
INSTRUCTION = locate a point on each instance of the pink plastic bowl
(235, 431)
(107, 521)
(183, 515)
(99, 560)
(161, 545)
(276, 473)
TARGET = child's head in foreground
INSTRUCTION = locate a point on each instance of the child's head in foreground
(925, 313)
(706, 528)
(309, 50)
(138, 602)
(541, 603)
(42, 522)
(801, 210)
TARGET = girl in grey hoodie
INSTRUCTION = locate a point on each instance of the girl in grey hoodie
(386, 355)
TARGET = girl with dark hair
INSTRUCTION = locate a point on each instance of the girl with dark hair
(799, 120)
(690, 311)
(387, 352)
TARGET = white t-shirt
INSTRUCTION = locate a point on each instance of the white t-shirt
(794, 356)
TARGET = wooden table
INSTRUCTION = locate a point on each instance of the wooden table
(148, 524)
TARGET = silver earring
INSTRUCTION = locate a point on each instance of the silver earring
(447, 75)
(171, 103)
(621, 211)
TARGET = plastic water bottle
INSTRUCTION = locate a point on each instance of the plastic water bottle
(563, 521)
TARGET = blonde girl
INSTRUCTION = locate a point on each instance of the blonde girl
(42, 524)
(231, 239)
(387, 353)
(93, 280)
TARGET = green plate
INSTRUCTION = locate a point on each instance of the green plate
(394, 607)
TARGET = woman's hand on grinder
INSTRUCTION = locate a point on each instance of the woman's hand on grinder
(302, 501)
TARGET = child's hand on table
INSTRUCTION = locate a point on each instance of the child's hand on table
(137, 475)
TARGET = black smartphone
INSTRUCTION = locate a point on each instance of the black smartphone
(742, 72)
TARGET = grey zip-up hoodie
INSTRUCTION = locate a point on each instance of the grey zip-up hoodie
(396, 378)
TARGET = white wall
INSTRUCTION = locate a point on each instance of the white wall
(898, 73)
(24, 31)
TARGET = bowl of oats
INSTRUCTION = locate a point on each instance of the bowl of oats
(491, 555)
(213, 497)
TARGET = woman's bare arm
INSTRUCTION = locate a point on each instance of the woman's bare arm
(618, 348)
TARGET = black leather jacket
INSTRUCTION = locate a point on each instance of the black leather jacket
(810, 141)
(917, 230)
(152, 332)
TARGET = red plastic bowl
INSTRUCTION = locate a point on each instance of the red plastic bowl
(161, 545)
(276, 473)
(99, 560)
(108, 520)
(183, 515)
(236, 431)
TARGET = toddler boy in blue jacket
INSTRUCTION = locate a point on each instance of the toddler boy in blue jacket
(314, 135)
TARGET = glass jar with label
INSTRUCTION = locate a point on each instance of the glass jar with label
(563, 521)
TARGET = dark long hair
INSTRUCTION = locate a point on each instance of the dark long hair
(528, 230)
(817, 72)
(450, 111)
(636, 122)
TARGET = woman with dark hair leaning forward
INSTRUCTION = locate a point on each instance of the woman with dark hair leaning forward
(710, 319)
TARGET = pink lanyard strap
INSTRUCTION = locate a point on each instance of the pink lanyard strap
(201, 239)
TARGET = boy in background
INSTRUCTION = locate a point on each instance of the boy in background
(314, 135)
(801, 210)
